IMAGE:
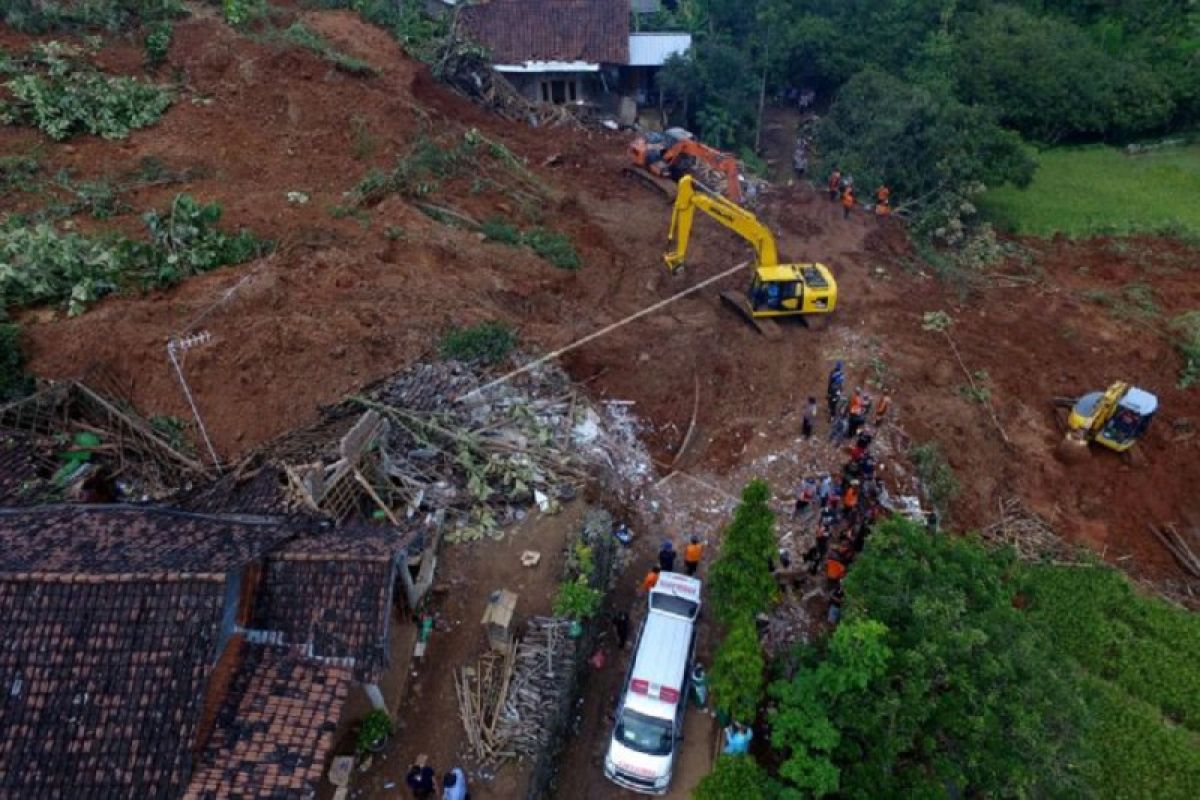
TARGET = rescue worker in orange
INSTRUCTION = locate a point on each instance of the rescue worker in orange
(883, 197)
(847, 202)
(692, 555)
(835, 184)
(651, 578)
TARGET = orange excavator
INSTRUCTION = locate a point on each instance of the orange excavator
(674, 153)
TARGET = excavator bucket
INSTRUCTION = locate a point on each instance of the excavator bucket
(739, 303)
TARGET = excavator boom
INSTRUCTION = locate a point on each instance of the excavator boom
(777, 290)
(724, 211)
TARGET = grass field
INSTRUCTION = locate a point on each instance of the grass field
(1081, 191)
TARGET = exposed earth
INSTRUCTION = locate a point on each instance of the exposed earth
(346, 300)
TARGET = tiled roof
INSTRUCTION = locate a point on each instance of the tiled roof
(20, 481)
(131, 540)
(275, 730)
(333, 591)
(261, 492)
(101, 680)
(551, 30)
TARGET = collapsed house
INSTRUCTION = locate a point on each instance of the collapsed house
(151, 652)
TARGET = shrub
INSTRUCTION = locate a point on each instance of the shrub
(736, 676)
(42, 16)
(17, 173)
(498, 229)
(60, 95)
(739, 580)
(553, 246)
(734, 777)
(38, 264)
(14, 382)
(186, 241)
(1186, 328)
(577, 600)
(157, 43)
(302, 36)
(375, 727)
(935, 473)
(486, 343)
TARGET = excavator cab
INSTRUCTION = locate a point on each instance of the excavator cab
(1115, 418)
(791, 289)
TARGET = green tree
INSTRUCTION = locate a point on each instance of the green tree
(803, 726)
(949, 689)
(736, 676)
(732, 777)
(739, 579)
(919, 140)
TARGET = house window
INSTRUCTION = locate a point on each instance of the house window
(559, 92)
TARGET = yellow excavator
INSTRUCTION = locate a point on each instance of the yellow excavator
(777, 290)
(1115, 418)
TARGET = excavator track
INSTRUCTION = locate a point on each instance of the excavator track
(738, 302)
(650, 182)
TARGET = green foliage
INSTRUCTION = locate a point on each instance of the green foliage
(1141, 645)
(60, 94)
(499, 229)
(157, 43)
(186, 241)
(44, 16)
(1046, 77)
(736, 677)
(932, 684)
(1186, 329)
(1086, 191)
(375, 727)
(14, 381)
(918, 140)
(734, 777)
(716, 85)
(554, 246)
(39, 264)
(302, 36)
(1137, 657)
(240, 13)
(422, 35)
(935, 474)
(739, 580)
(577, 600)
(18, 173)
(803, 725)
(486, 343)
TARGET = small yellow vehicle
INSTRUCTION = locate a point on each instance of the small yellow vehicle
(777, 290)
(1115, 418)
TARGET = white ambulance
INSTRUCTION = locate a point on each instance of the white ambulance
(650, 717)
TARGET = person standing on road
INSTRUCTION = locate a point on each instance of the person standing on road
(454, 785)
(835, 184)
(809, 419)
(621, 626)
(651, 579)
(806, 492)
(847, 202)
(692, 555)
(420, 778)
(881, 410)
(837, 377)
(666, 556)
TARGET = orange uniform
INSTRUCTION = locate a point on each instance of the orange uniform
(650, 580)
(848, 199)
(850, 498)
(883, 194)
(693, 553)
(884, 405)
(835, 570)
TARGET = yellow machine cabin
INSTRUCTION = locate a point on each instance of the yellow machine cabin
(777, 290)
(1115, 418)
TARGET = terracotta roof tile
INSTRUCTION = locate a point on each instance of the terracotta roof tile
(102, 683)
(551, 30)
(275, 730)
(100, 540)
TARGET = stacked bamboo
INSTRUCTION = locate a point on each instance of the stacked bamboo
(1027, 533)
(481, 692)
